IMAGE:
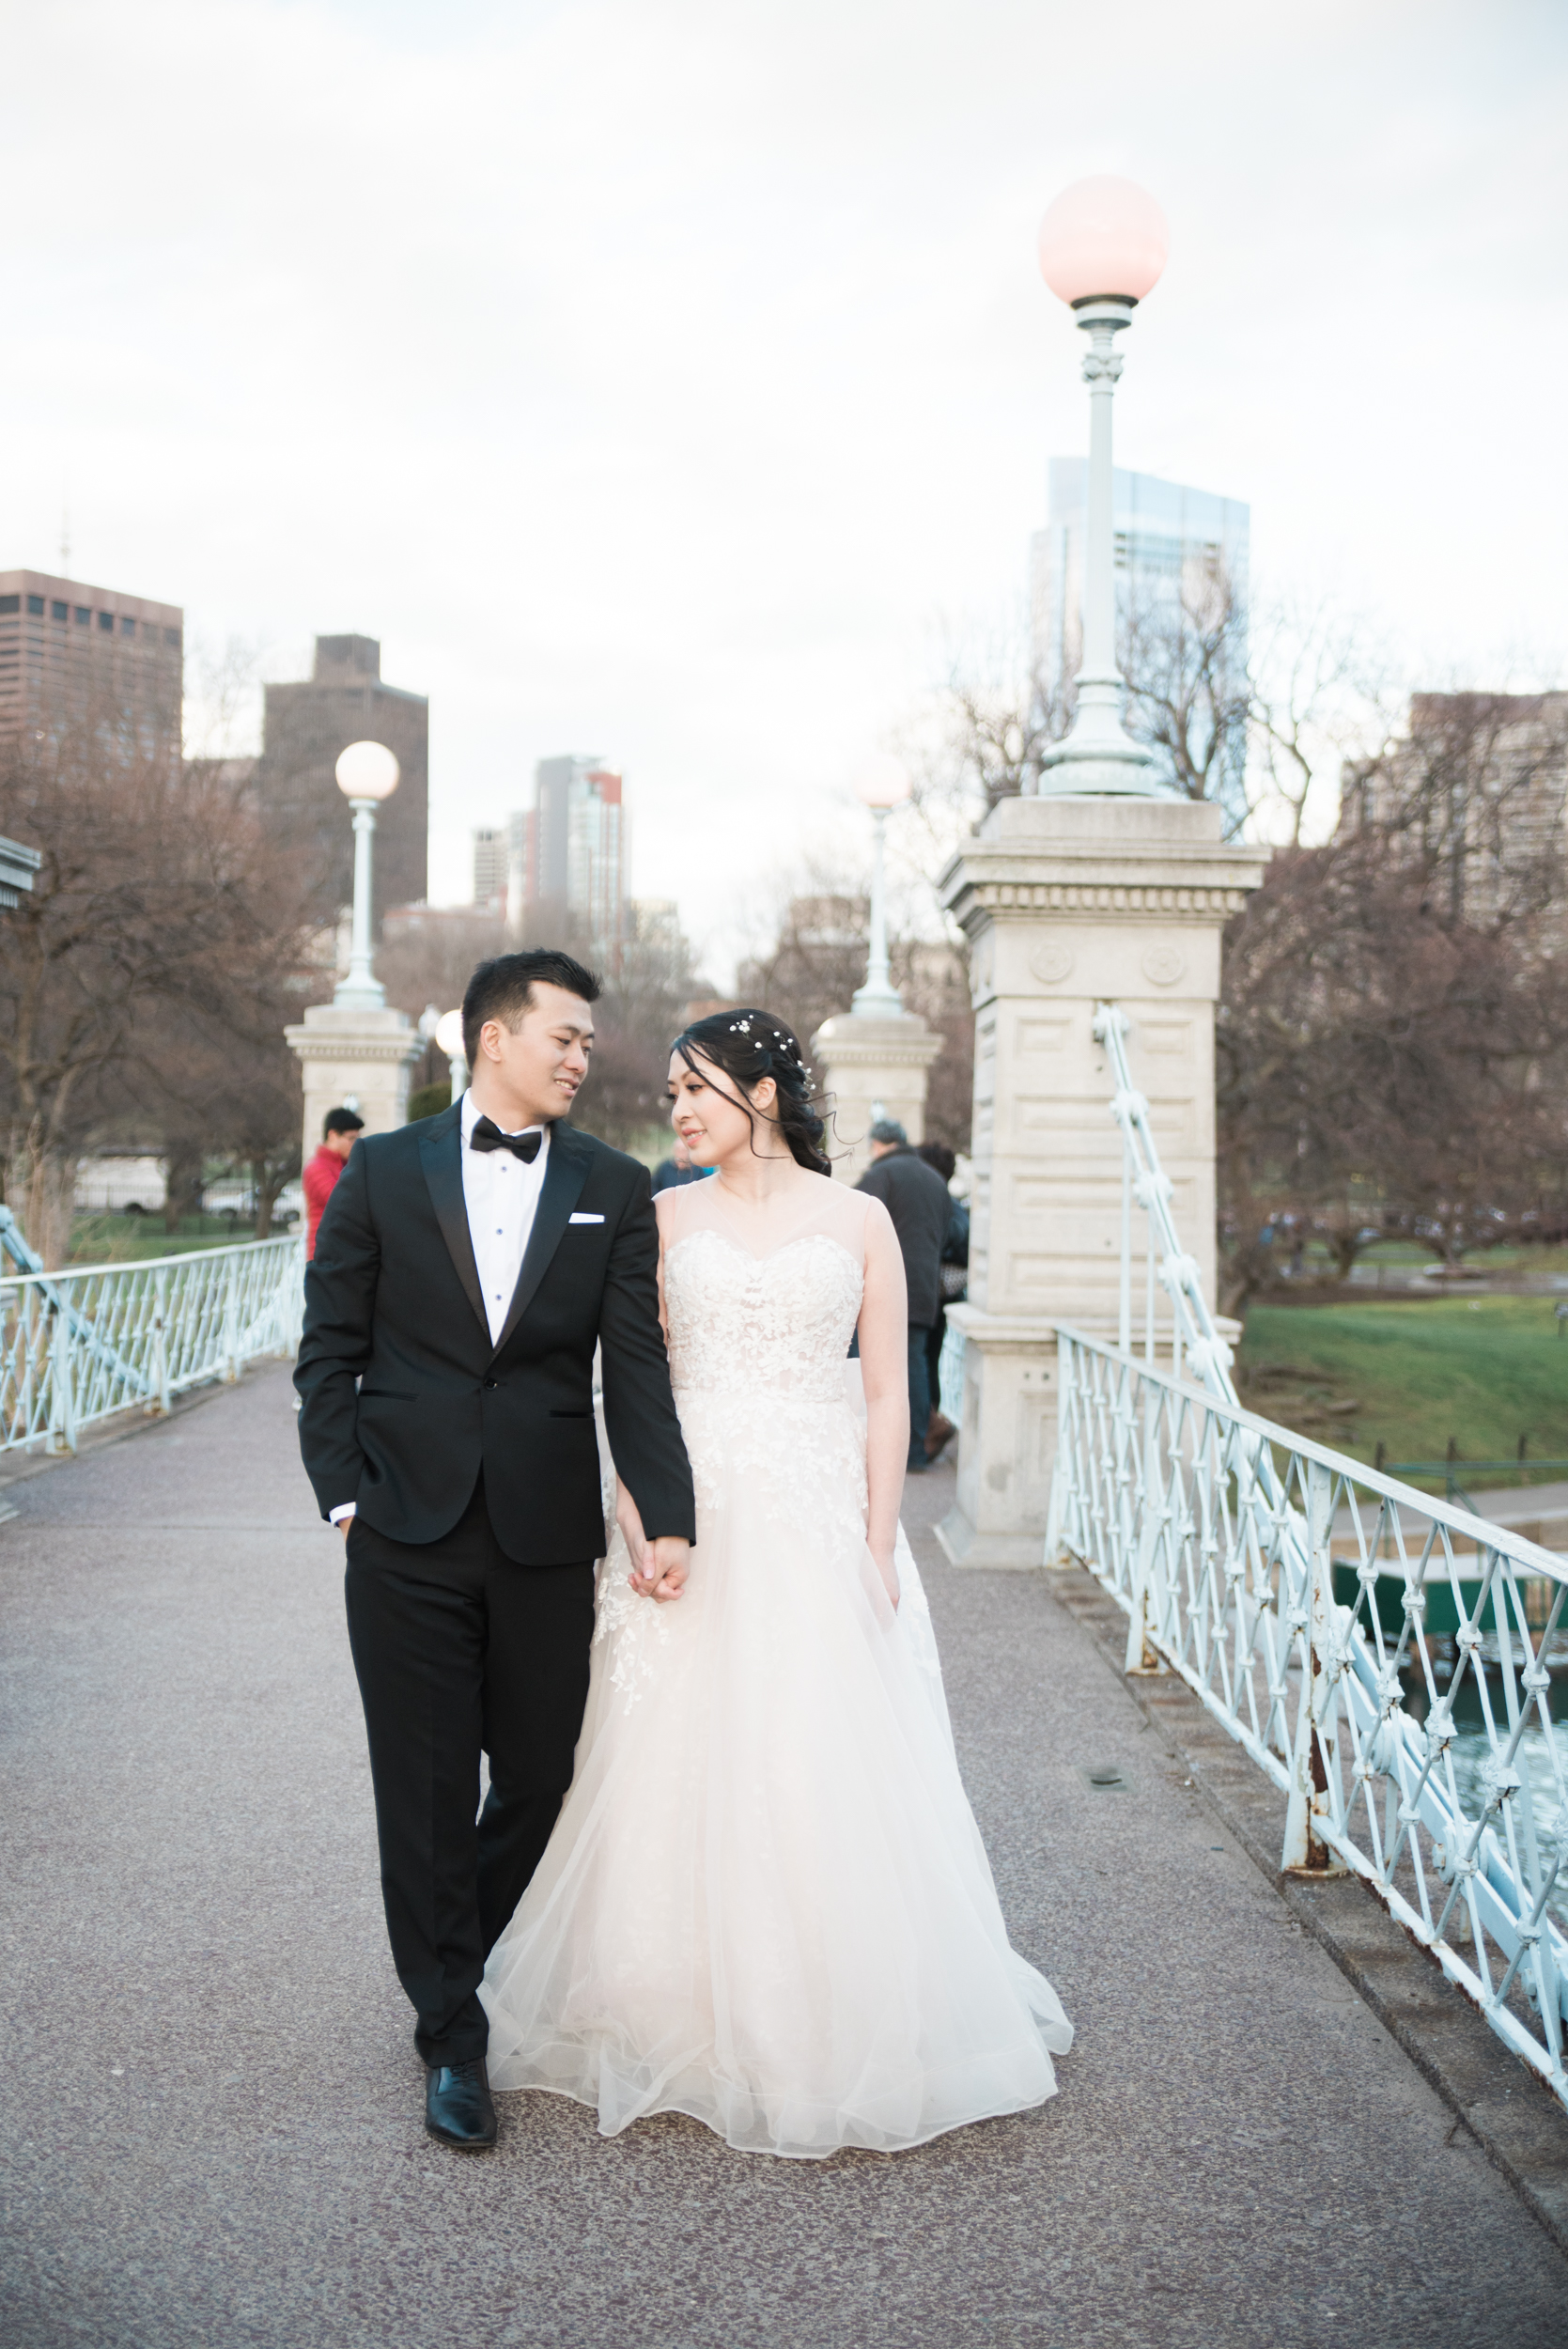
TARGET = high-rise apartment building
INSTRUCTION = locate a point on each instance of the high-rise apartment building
(305, 727)
(574, 849)
(491, 859)
(77, 657)
(1175, 550)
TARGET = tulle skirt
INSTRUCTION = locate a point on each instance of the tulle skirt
(766, 1903)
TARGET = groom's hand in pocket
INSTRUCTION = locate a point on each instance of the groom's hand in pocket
(664, 1565)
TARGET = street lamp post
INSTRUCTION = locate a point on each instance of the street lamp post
(873, 1059)
(1103, 245)
(367, 773)
(449, 1039)
(881, 786)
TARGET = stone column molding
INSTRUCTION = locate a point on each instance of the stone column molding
(364, 1054)
(873, 1068)
(1067, 901)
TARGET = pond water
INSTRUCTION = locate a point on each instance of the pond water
(1470, 1748)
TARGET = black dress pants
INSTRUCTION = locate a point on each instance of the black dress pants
(459, 1650)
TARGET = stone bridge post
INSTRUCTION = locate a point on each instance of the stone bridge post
(1067, 901)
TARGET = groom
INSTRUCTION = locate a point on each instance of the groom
(465, 1268)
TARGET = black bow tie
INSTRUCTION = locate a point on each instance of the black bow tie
(486, 1135)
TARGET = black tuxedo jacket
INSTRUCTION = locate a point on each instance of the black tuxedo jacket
(402, 1396)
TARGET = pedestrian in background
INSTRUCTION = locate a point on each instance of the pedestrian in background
(678, 1168)
(954, 1281)
(339, 1131)
(915, 1195)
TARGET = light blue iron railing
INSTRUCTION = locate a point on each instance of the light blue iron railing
(1340, 1625)
(79, 1347)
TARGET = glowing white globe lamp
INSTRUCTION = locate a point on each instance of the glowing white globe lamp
(1103, 240)
(882, 785)
(366, 773)
(1103, 245)
(449, 1039)
(883, 781)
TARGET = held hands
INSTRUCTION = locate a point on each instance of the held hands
(660, 1573)
(660, 1567)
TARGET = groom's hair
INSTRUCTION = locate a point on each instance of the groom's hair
(503, 989)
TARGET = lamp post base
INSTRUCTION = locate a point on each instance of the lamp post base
(366, 1052)
(874, 1067)
(1099, 757)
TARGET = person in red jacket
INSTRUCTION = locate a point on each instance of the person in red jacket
(340, 1129)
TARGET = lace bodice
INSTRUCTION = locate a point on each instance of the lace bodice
(741, 1323)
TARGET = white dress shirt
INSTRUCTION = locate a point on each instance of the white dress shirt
(502, 1196)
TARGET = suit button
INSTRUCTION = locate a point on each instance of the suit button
(492, 1382)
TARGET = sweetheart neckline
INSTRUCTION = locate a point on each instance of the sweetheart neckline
(737, 1247)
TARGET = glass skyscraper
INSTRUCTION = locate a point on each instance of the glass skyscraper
(1181, 556)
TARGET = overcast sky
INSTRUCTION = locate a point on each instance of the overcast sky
(658, 379)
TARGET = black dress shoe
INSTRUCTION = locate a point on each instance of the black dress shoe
(457, 2106)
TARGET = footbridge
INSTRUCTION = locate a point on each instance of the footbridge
(1287, 2118)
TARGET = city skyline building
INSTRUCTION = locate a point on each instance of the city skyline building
(1179, 553)
(305, 724)
(492, 853)
(572, 849)
(73, 654)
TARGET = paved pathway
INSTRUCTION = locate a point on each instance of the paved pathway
(212, 2102)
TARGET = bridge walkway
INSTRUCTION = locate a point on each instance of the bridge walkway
(212, 2101)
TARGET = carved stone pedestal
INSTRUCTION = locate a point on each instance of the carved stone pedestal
(354, 1059)
(1067, 902)
(873, 1067)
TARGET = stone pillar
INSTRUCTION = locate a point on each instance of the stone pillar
(367, 1054)
(873, 1067)
(1065, 902)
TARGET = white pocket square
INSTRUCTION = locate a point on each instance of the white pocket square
(584, 1219)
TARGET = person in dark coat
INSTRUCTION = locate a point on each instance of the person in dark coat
(954, 1285)
(671, 1173)
(915, 1195)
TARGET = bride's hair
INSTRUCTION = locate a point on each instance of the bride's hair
(749, 1046)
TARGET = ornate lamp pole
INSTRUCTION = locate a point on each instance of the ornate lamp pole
(1103, 244)
(449, 1039)
(367, 773)
(881, 786)
(874, 1057)
(354, 1048)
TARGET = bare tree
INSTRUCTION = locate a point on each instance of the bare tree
(1474, 795)
(1321, 689)
(430, 957)
(1189, 694)
(809, 971)
(156, 889)
(1381, 1068)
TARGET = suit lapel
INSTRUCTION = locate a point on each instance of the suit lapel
(566, 1171)
(442, 1151)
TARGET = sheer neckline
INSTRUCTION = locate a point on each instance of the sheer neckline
(738, 1247)
(825, 1207)
(759, 1255)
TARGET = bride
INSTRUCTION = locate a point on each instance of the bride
(765, 1902)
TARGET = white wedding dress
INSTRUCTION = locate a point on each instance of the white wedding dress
(765, 1902)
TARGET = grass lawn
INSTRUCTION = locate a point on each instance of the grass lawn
(1485, 1370)
(132, 1238)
